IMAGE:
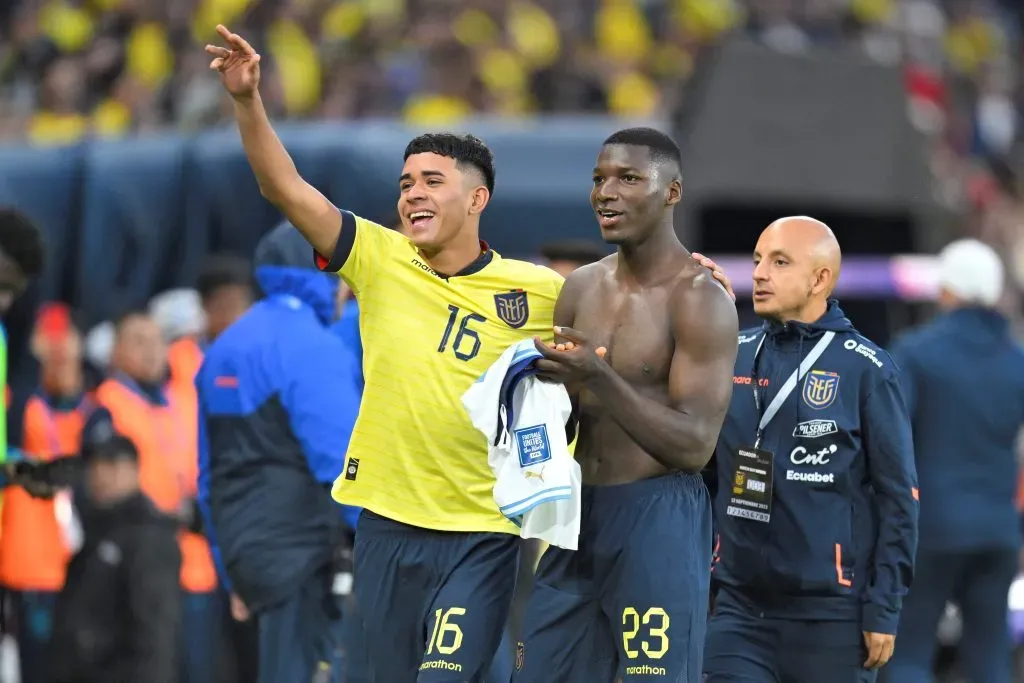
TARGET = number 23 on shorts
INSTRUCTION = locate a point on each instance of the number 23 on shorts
(655, 621)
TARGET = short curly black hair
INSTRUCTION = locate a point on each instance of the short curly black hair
(22, 241)
(466, 150)
(663, 149)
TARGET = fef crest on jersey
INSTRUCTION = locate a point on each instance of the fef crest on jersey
(513, 308)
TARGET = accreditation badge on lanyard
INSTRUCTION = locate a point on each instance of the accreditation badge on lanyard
(753, 467)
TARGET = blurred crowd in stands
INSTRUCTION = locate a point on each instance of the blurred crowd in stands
(70, 69)
(109, 67)
(74, 68)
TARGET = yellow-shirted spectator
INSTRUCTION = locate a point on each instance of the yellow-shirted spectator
(213, 12)
(475, 28)
(435, 110)
(672, 61)
(632, 94)
(502, 72)
(148, 54)
(47, 128)
(59, 121)
(534, 33)
(873, 11)
(385, 11)
(111, 118)
(622, 33)
(705, 20)
(343, 20)
(298, 63)
(70, 28)
(971, 43)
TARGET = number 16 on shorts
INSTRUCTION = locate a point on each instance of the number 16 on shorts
(445, 640)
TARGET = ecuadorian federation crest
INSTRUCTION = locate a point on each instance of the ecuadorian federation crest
(820, 388)
(513, 308)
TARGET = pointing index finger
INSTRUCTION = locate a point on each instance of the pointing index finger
(236, 41)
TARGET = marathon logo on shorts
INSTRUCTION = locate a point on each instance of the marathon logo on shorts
(351, 469)
(534, 445)
(513, 308)
(812, 429)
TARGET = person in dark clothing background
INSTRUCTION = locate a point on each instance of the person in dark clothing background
(277, 402)
(118, 615)
(964, 379)
(565, 256)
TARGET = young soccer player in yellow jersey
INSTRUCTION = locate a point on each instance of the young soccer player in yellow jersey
(435, 559)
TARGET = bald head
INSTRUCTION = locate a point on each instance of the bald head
(812, 237)
(797, 262)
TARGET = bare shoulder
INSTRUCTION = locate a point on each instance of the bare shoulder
(585, 277)
(703, 314)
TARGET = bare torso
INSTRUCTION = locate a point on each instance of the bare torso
(634, 323)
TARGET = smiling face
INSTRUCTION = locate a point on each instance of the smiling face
(435, 199)
(631, 192)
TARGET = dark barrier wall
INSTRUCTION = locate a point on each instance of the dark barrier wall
(127, 219)
(766, 134)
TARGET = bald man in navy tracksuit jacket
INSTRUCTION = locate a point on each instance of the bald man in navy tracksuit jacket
(824, 551)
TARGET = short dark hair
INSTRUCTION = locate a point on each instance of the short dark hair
(127, 314)
(582, 252)
(466, 150)
(662, 147)
(223, 270)
(113, 448)
(22, 241)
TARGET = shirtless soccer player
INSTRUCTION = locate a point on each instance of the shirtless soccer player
(632, 602)
(435, 559)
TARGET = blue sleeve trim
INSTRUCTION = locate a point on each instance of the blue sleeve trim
(521, 507)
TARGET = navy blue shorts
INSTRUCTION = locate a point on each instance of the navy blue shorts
(433, 603)
(631, 604)
(744, 647)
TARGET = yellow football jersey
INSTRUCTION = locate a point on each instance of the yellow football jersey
(414, 455)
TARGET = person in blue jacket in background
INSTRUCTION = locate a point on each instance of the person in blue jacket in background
(816, 501)
(277, 403)
(964, 378)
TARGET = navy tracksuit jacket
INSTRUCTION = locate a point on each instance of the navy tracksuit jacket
(842, 534)
(963, 375)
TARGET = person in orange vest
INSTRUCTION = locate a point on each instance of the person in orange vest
(179, 314)
(190, 319)
(37, 534)
(162, 424)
